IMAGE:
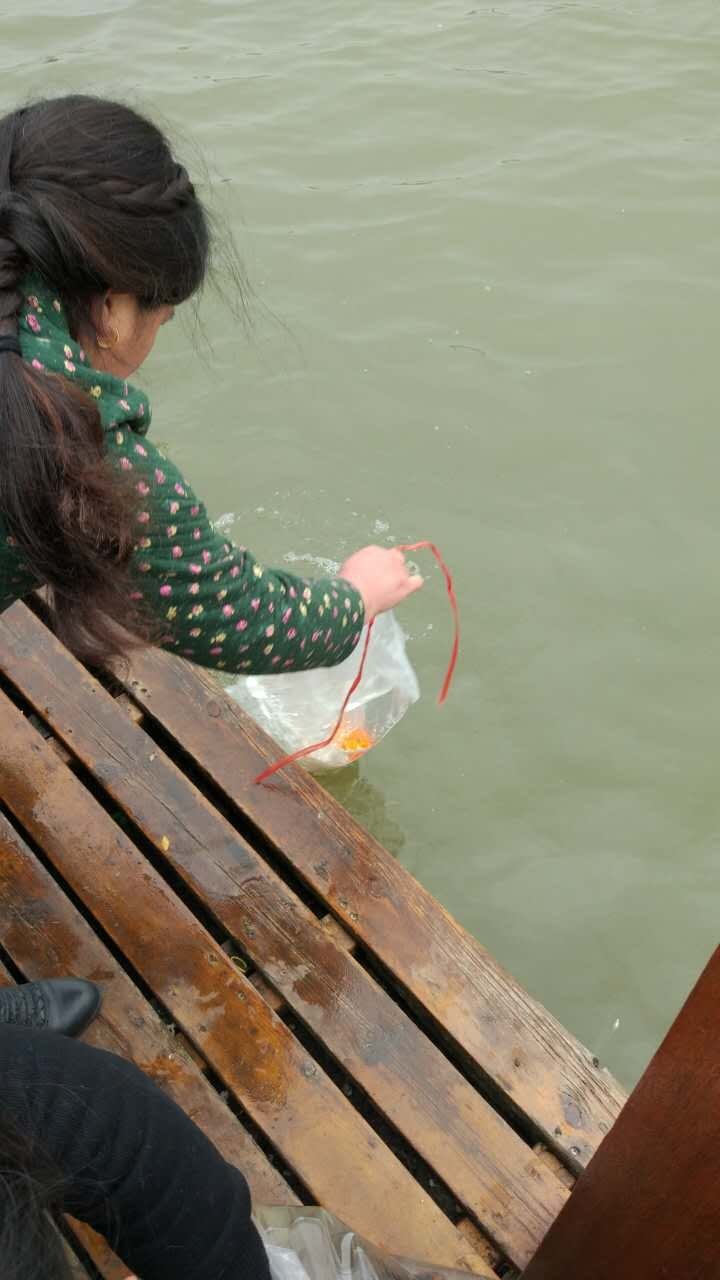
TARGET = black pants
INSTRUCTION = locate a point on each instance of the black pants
(133, 1165)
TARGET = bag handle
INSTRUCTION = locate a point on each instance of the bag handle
(446, 684)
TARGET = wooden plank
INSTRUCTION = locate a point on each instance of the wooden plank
(551, 1161)
(46, 937)
(490, 1169)
(98, 1251)
(130, 708)
(543, 1071)
(647, 1206)
(302, 1113)
(268, 993)
(336, 931)
(77, 1270)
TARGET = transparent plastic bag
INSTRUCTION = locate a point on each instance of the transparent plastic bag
(310, 1244)
(300, 708)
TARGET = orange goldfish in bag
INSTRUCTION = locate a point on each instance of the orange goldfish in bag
(354, 740)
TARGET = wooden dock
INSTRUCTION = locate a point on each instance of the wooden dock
(337, 1034)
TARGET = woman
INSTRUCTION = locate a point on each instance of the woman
(102, 235)
(85, 1132)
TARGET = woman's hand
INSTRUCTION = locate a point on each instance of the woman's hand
(382, 577)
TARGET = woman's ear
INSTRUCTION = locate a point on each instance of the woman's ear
(101, 312)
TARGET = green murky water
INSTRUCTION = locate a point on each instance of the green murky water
(490, 234)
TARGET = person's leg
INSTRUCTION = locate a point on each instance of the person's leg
(65, 1005)
(130, 1162)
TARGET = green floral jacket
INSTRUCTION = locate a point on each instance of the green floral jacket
(218, 606)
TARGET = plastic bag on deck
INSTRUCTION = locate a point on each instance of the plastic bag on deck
(310, 1244)
(299, 708)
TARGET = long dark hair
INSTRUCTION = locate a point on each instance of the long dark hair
(30, 1191)
(92, 199)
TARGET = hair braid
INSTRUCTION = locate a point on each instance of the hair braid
(157, 197)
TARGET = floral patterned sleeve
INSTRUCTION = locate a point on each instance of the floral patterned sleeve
(217, 605)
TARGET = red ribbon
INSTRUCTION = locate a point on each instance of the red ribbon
(444, 691)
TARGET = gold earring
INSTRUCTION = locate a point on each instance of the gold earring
(106, 343)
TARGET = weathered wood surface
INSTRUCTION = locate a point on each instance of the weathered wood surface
(493, 1173)
(105, 1262)
(326, 1142)
(370, 1048)
(46, 937)
(647, 1206)
(542, 1070)
(77, 1270)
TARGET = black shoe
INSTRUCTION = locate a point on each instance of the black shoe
(67, 1005)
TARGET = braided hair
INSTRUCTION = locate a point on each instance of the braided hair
(92, 199)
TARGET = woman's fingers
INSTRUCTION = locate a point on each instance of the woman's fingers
(382, 577)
